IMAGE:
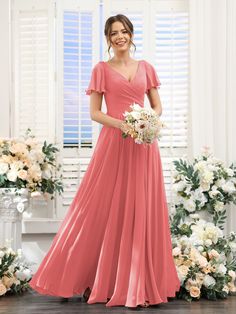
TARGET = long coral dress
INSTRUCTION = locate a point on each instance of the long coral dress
(115, 237)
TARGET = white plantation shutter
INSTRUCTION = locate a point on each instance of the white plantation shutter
(33, 70)
(78, 27)
(137, 12)
(161, 34)
(33, 78)
(170, 31)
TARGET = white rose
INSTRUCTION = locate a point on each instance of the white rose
(214, 191)
(200, 166)
(135, 115)
(190, 205)
(200, 248)
(10, 251)
(208, 177)
(3, 167)
(208, 242)
(12, 175)
(219, 206)
(23, 275)
(179, 186)
(205, 186)
(1, 254)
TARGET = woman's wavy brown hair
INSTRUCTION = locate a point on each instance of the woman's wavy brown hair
(127, 25)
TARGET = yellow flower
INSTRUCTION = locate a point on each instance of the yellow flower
(206, 269)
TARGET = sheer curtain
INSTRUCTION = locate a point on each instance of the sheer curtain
(212, 81)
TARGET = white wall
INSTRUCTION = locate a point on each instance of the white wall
(5, 68)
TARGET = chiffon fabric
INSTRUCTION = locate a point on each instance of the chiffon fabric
(115, 237)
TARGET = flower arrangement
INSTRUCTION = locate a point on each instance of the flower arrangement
(205, 184)
(14, 271)
(205, 261)
(142, 124)
(26, 163)
(205, 258)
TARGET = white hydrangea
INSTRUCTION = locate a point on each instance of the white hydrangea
(208, 281)
(220, 182)
(232, 246)
(230, 172)
(228, 187)
(189, 204)
(221, 269)
(3, 167)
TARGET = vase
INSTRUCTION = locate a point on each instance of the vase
(12, 204)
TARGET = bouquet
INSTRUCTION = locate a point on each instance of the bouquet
(26, 163)
(142, 124)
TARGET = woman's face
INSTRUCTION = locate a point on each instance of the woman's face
(120, 38)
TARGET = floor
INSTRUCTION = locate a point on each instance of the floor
(30, 302)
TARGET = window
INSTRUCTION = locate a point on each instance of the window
(56, 45)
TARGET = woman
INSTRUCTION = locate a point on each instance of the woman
(114, 244)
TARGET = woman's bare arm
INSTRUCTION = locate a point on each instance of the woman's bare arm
(97, 115)
(154, 99)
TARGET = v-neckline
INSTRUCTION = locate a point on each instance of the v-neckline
(123, 75)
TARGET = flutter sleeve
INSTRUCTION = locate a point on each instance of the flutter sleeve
(152, 77)
(97, 81)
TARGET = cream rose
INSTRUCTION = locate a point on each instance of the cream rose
(213, 254)
(176, 251)
(22, 174)
(231, 287)
(8, 281)
(194, 292)
(3, 289)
